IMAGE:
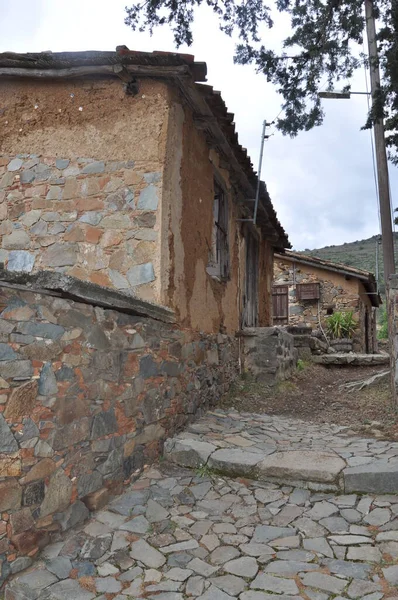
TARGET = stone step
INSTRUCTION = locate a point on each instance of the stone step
(356, 360)
(312, 469)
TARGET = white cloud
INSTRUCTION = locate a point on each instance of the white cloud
(321, 183)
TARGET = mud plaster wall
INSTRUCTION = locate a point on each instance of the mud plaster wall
(81, 168)
(336, 292)
(87, 396)
(201, 301)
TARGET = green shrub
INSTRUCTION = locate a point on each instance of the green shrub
(341, 325)
(382, 333)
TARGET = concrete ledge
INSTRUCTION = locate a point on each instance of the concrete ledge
(83, 291)
(352, 359)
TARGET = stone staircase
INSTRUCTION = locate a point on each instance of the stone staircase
(287, 451)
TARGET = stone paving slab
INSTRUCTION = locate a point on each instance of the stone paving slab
(351, 358)
(318, 456)
(202, 536)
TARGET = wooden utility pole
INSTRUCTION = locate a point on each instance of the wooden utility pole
(380, 147)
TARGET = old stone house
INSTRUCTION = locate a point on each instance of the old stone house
(130, 259)
(121, 169)
(308, 289)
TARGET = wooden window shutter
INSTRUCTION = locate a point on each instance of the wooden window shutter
(280, 304)
(308, 291)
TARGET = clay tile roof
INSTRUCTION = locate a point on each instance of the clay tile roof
(367, 278)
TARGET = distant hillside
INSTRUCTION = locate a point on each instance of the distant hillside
(360, 254)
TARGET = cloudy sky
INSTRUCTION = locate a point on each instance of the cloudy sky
(321, 182)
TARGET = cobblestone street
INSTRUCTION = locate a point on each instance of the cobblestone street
(180, 533)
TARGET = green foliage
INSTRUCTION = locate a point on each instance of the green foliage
(351, 254)
(204, 471)
(302, 364)
(322, 44)
(382, 333)
(341, 325)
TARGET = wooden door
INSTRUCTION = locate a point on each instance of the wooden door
(280, 304)
(250, 299)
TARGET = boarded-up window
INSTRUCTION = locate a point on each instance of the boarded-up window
(219, 255)
(280, 304)
(308, 291)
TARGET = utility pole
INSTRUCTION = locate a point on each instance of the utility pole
(380, 147)
(377, 263)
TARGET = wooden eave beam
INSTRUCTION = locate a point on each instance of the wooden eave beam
(113, 70)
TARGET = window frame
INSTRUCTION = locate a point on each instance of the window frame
(218, 264)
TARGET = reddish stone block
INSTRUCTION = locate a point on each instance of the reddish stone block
(40, 471)
(97, 500)
(21, 521)
(4, 545)
(29, 540)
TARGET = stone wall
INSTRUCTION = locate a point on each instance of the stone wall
(87, 396)
(269, 353)
(337, 294)
(93, 219)
(81, 165)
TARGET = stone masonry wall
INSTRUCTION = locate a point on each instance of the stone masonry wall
(93, 219)
(269, 353)
(337, 294)
(87, 396)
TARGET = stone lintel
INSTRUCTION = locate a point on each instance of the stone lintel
(75, 289)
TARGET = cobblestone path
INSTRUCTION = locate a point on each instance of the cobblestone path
(180, 533)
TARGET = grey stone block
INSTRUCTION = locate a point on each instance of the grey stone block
(94, 167)
(17, 240)
(148, 199)
(77, 513)
(303, 465)
(104, 423)
(27, 176)
(20, 260)
(15, 164)
(49, 331)
(141, 274)
(188, 453)
(62, 163)
(40, 228)
(47, 382)
(234, 461)
(379, 477)
(60, 255)
(154, 177)
(91, 217)
(16, 368)
(7, 353)
(7, 441)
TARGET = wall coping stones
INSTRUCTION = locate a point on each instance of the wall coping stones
(352, 358)
(83, 291)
